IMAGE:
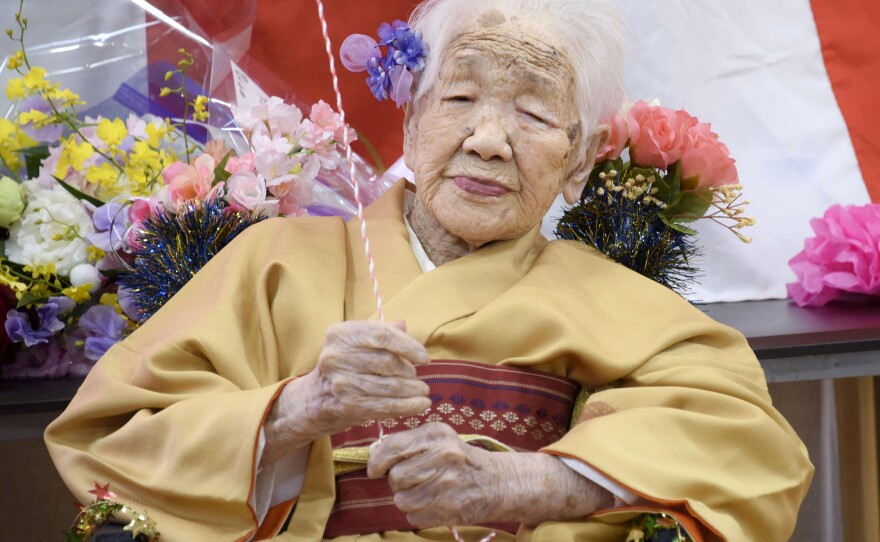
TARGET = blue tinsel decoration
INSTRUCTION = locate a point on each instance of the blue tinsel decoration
(630, 233)
(171, 247)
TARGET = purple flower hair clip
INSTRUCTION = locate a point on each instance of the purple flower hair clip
(391, 74)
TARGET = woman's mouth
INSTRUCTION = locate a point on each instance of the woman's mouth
(480, 187)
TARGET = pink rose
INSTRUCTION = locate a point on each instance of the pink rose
(656, 135)
(843, 257)
(246, 190)
(184, 181)
(617, 139)
(707, 159)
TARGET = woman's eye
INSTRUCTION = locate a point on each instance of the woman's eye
(535, 117)
(459, 98)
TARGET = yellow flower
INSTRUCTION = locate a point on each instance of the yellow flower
(156, 131)
(15, 89)
(112, 132)
(11, 202)
(111, 300)
(78, 293)
(10, 280)
(65, 97)
(103, 175)
(95, 254)
(73, 154)
(200, 111)
(35, 79)
(15, 61)
(35, 117)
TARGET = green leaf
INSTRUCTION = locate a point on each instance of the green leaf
(676, 226)
(70, 536)
(33, 159)
(220, 173)
(79, 195)
(29, 298)
(2, 248)
(689, 207)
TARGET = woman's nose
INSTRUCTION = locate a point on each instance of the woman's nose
(489, 139)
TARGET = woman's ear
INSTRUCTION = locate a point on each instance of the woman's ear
(574, 187)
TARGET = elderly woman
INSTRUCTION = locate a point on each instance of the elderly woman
(217, 415)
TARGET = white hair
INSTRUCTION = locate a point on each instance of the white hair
(591, 30)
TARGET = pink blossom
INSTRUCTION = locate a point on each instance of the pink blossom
(262, 140)
(844, 256)
(323, 116)
(616, 141)
(245, 162)
(295, 196)
(139, 210)
(245, 190)
(184, 181)
(657, 134)
(217, 149)
(706, 159)
(275, 166)
(283, 118)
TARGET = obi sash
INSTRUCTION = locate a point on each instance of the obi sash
(500, 408)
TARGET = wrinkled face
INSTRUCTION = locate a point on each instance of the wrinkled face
(498, 137)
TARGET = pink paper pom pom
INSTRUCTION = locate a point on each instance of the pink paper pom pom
(844, 256)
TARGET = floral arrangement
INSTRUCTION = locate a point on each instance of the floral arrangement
(79, 196)
(389, 75)
(659, 171)
(844, 256)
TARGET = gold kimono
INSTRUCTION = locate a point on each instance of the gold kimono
(171, 416)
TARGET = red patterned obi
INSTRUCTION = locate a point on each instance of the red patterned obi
(497, 407)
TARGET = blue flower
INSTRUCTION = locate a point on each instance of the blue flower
(410, 51)
(104, 327)
(523, 409)
(500, 405)
(378, 79)
(390, 32)
(458, 399)
(478, 403)
(18, 325)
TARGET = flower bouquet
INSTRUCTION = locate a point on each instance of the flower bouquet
(659, 171)
(101, 216)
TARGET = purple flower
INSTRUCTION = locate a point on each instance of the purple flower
(111, 224)
(18, 325)
(105, 329)
(400, 80)
(390, 32)
(410, 51)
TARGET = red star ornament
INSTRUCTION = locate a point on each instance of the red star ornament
(102, 493)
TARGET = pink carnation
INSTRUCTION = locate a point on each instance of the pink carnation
(843, 257)
(706, 158)
(656, 134)
(617, 139)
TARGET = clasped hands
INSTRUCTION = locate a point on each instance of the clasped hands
(366, 371)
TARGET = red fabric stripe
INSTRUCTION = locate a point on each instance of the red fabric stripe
(850, 34)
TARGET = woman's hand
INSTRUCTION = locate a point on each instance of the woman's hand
(439, 480)
(366, 371)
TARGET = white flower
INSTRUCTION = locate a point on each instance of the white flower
(51, 230)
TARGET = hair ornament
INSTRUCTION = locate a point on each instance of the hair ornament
(390, 74)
